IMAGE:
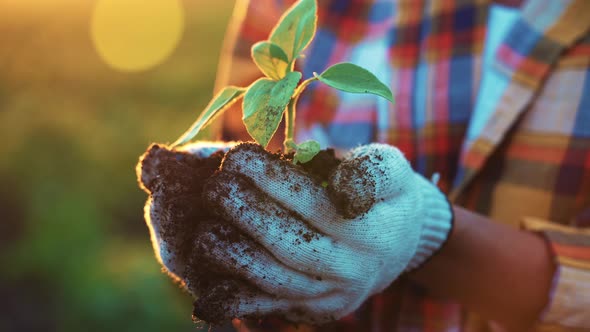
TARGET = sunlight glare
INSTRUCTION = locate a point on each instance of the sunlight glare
(136, 35)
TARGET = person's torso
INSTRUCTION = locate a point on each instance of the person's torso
(521, 148)
(431, 54)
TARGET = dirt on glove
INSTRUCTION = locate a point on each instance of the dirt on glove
(175, 181)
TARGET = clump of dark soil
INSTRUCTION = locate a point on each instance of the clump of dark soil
(322, 165)
(174, 181)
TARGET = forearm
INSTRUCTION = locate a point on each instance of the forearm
(501, 273)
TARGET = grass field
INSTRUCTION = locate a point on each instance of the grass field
(75, 252)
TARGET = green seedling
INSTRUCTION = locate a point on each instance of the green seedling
(268, 99)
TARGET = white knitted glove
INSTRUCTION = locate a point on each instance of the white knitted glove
(204, 149)
(159, 173)
(311, 261)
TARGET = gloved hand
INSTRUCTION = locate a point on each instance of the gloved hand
(312, 260)
(167, 176)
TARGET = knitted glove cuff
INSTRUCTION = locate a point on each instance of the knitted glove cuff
(437, 222)
(204, 149)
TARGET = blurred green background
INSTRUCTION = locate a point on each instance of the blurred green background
(75, 253)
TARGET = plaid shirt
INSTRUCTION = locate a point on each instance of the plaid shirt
(526, 164)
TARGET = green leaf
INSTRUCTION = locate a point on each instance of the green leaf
(306, 151)
(271, 59)
(352, 78)
(296, 28)
(222, 101)
(264, 105)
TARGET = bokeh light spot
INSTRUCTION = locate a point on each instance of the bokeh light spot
(135, 35)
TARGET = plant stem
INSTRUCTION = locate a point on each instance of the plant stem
(290, 115)
(289, 125)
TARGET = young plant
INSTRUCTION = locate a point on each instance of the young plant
(266, 100)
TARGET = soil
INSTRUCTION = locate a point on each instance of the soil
(175, 181)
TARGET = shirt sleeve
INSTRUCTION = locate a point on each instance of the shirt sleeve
(569, 301)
